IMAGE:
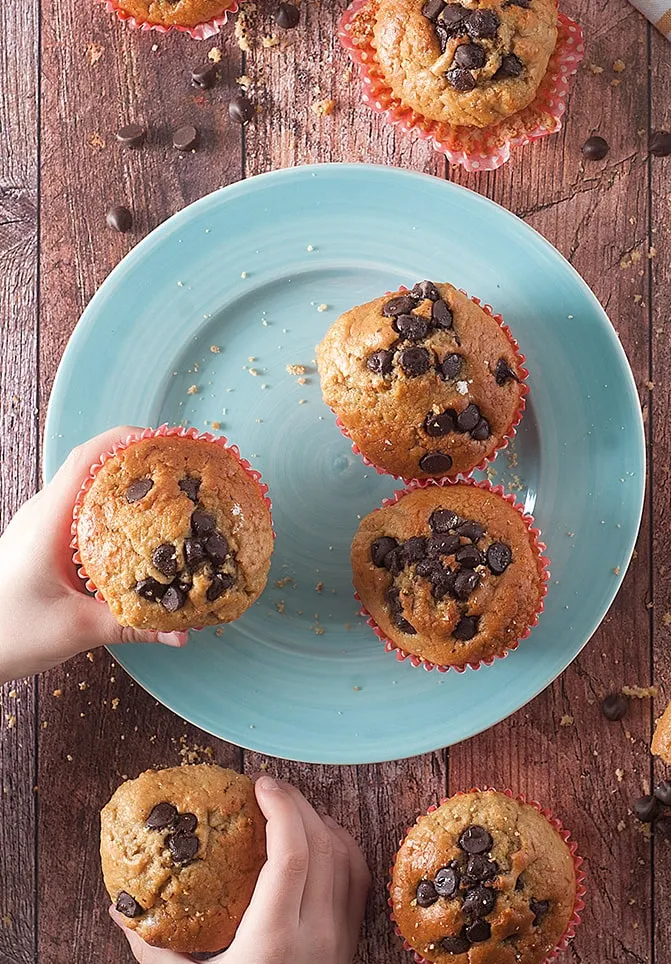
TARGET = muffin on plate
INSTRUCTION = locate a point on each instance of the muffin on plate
(427, 383)
(485, 878)
(173, 530)
(181, 850)
(450, 574)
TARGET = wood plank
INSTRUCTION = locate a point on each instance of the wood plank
(18, 441)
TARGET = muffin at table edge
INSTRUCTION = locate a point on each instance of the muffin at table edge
(483, 878)
(425, 382)
(175, 534)
(465, 64)
(171, 13)
(450, 573)
(181, 850)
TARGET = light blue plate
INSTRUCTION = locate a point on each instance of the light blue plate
(261, 269)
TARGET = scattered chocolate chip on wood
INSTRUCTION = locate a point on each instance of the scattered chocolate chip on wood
(204, 77)
(120, 219)
(185, 138)
(595, 148)
(241, 109)
(133, 135)
(287, 16)
(660, 143)
(615, 707)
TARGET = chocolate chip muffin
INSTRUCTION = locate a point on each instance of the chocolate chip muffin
(174, 533)
(173, 13)
(181, 850)
(470, 63)
(450, 574)
(425, 382)
(484, 879)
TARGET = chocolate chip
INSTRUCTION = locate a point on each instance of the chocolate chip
(478, 931)
(469, 418)
(439, 425)
(411, 327)
(393, 561)
(442, 583)
(470, 530)
(380, 362)
(173, 599)
(425, 290)
(128, 906)
(441, 315)
(380, 548)
(435, 463)
(414, 549)
(131, 136)
(482, 431)
(483, 23)
(221, 582)
(201, 523)
(414, 361)
(595, 148)
(479, 868)
(442, 520)
(519, 883)
(185, 138)
(660, 144)
(647, 808)
(462, 80)
(162, 816)
(241, 109)
(539, 909)
(194, 553)
(120, 219)
(216, 546)
(183, 846)
(455, 945)
(663, 792)
(204, 77)
(442, 545)
(426, 894)
(615, 707)
(393, 599)
(190, 487)
(511, 66)
(400, 305)
(138, 490)
(466, 628)
(430, 569)
(503, 372)
(469, 557)
(466, 582)
(165, 559)
(475, 840)
(287, 16)
(451, 366)
(479, 902)
(453, 14)
(471, 56)
(447, 881)
(432, 9)
(499, 557)
(186, 822)
(150, 589)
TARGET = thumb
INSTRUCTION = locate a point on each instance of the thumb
(142, 952)
(96, 626)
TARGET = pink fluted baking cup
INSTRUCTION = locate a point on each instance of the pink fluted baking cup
(555, 822)
(163, 431)
(476, 149)
(201, 31)
(543, 574)
(507, 436)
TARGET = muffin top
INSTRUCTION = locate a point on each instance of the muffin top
(424, 381)
(171, 13)
(469, 63)
(449, 573)
(175, 534)
(181, 850)
(484, 879)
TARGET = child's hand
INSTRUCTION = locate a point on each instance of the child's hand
(310, 897)
(45, 614)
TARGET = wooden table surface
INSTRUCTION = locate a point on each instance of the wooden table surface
(71, 76)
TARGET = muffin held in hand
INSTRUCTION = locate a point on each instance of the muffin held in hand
(451, 574)
(470, 63)
(174, 532)
(484, 878)
(181, 851)
(425, 382)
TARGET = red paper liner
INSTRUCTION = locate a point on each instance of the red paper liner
(163, 431)
(555, 822)
(201, 31)
(509, 433)
(476, 149)
(543, 573)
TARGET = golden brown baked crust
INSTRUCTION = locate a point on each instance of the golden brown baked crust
(532, 885)
(426, 577)
(409, 424)
(184, 13)
(661, 741)
(120, 529)
(190, 905)
(499, 59)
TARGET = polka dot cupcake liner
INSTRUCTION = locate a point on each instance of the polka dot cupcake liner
(542, 560)
(510, 432)
(201, 31)
(475, 149)
(164, 431)
(556, 824)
